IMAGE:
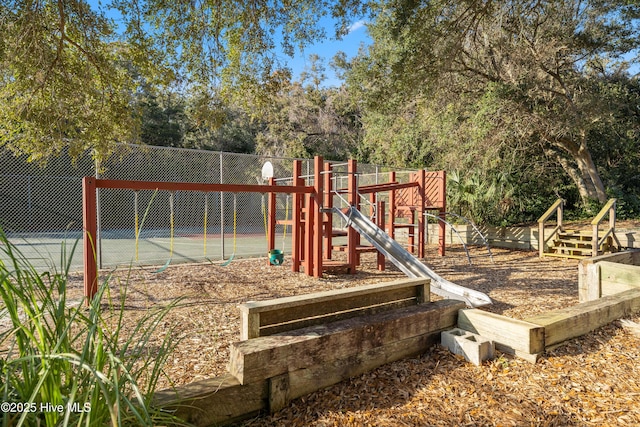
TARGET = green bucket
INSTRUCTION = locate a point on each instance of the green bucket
(276, 257)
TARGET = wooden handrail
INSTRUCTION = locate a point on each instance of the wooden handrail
(557, 208)
(608, 208)
(603, 212)
(545, 216)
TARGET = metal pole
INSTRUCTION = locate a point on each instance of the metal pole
(99, 227)
(30, 204)
(221, 214)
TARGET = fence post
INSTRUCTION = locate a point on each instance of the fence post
(221, 213)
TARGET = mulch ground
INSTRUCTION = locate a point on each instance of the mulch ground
(592, 380)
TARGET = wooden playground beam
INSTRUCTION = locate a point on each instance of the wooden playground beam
(352, 198)
(379, 188)
(318, 199)
(421, 221)
(89, 205)
(90, 232)
(194, 186)
(442, 191)
(297, 251)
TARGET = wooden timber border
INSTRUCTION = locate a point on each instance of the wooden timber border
(608, 274)
(609, 290)
(296, 345)
(285, 314)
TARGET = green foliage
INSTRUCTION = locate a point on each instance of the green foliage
(174, 120)
(516, 88)
(62, 81)
(56, 352)
(70, 73)
(306, 119)
(616, 147)
(162, 121)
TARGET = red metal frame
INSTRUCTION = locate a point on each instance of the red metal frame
(311, 224)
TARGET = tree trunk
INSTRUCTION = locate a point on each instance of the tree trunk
(582, 171)
(590, 173)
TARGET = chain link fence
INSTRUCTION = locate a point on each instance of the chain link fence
(41, 206)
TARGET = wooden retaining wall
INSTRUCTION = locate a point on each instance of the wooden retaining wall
(523, 238)
(608, 274)
(570, 322)
(296, 345)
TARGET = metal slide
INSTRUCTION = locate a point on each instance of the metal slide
(406, 262)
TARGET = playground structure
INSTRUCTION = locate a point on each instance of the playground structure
(312, 224)
(312, 221)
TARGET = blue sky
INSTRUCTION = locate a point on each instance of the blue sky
(349, 44)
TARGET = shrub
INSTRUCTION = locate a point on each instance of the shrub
(73, 364)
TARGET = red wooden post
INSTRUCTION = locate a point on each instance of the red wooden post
(308, 235)
(442, 198)
(318, 166)
(352, 198)
(90, 227)
(271, 227)
(421, 210)
(296, 212)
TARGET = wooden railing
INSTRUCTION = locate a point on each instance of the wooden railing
(557, 208)
(610, 209)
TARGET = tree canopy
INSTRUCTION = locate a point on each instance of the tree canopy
(70, 72)
(520, 100)
(500, 76)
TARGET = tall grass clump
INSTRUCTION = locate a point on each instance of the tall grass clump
(73, 364)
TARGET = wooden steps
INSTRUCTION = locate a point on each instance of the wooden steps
(576, 245)
(564, 255)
